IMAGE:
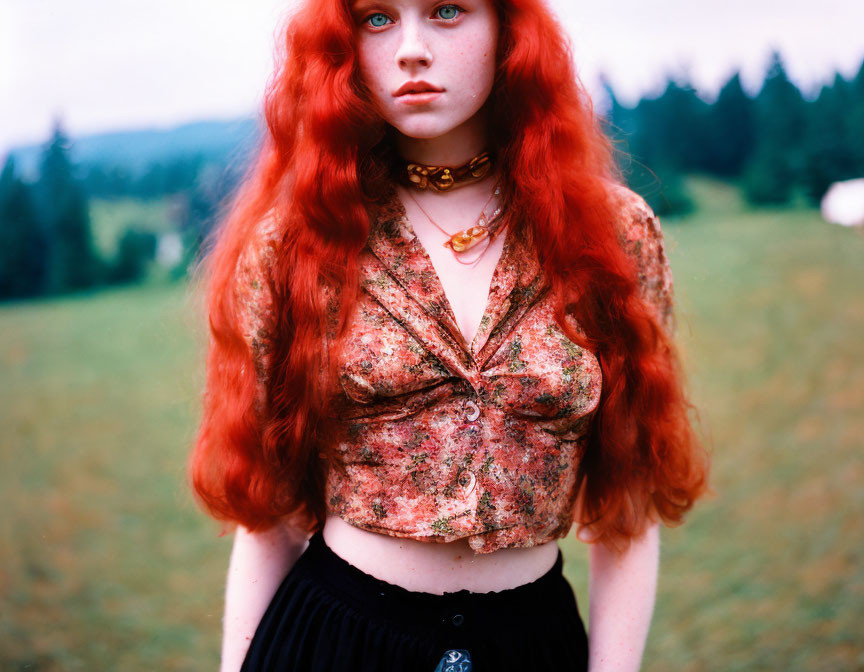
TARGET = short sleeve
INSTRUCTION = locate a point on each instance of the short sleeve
(254, 299)
(641, 236)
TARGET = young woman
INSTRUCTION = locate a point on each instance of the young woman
(442, 334)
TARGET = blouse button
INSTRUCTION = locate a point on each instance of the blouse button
(472, 411)
(468, 480)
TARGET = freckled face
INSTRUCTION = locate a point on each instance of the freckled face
(449, 46)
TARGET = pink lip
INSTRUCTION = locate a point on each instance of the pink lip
(419, 98)
(416, 87)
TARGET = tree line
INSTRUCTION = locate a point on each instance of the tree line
(46, 233)
(774, 145)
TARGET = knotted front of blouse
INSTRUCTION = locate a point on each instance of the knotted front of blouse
(440, 439)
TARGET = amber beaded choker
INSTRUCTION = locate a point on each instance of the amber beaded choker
(445, 178)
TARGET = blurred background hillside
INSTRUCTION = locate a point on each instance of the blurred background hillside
(732, 129)
(126, 206)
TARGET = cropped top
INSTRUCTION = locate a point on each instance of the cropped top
(440, 439)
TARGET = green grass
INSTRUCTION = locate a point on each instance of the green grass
(767, 575)
(107, 564)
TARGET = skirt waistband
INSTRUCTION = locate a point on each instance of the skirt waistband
(377, 597)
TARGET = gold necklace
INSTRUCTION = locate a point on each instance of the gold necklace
(466, 239)
(445, 178)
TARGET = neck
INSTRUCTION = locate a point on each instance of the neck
(454, 148)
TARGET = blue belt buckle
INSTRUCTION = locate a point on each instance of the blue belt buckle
(455, 660)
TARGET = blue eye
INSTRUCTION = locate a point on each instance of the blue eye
(448, 12)
(378, 19)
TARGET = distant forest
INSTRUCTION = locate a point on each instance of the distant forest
(777, 146)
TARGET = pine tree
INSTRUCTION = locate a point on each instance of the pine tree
(64, 210)
(731, 132)
(829, 144)
(671, 129)
(650, 153)
(856, 120)
(23, 244)
(778, 162)
(620, 121)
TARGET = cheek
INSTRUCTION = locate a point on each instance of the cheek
(371, 61)
(478, 61)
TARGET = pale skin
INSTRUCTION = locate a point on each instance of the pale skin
(411, 40)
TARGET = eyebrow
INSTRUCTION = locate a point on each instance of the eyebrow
(362, 5)
(357, 7)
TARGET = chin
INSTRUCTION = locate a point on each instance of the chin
(428, 124)
(424, 129)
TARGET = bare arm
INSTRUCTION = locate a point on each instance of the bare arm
(622, 592)
(259, 563)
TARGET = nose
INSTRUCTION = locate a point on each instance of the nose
(413, 49)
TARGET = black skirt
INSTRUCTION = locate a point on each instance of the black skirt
(330, 616)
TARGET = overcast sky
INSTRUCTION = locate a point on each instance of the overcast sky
(115, 64)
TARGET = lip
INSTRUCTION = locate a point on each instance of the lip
(419, 98)
(418, 87)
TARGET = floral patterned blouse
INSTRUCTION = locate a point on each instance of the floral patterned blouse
(441, 440)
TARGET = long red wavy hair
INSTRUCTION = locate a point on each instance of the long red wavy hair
(322, 166)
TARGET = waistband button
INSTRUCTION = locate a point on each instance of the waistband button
(458, 619)
(455, 660)
(472, 411)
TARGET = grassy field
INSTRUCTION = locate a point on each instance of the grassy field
(111, 218)
(107, 565)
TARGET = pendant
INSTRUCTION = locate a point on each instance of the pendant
(455, 660)
(465, 240)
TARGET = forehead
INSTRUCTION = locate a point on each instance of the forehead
(358, 5)
(362, 4)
